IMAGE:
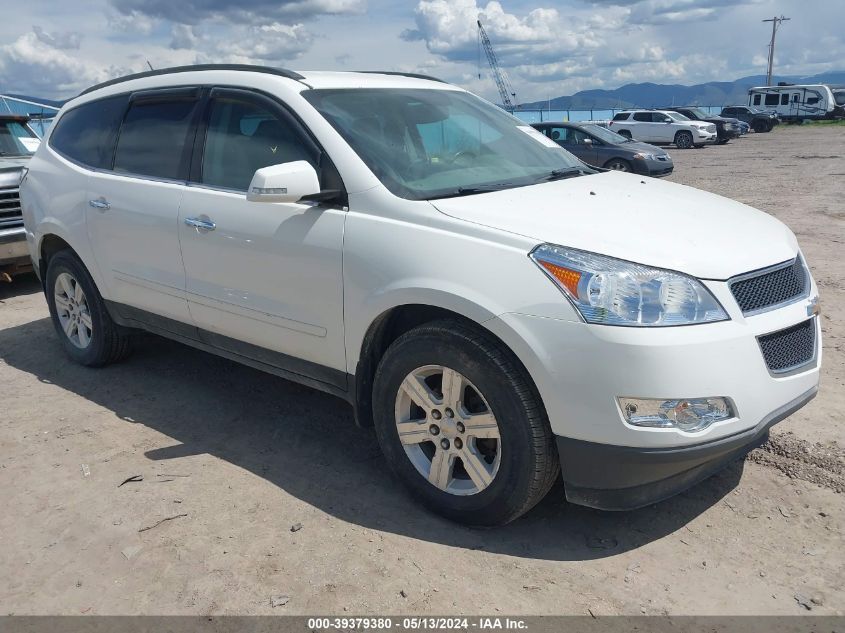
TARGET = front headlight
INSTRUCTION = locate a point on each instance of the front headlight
(644, 156)
(612, 291)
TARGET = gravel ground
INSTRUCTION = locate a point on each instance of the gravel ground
(254, 495)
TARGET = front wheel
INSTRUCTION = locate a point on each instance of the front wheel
(618, 164)
(462, 426)
(79, 314)
(683, 140)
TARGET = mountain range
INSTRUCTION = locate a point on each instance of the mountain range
(651, 95)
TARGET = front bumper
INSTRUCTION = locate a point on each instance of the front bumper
(703, 138)
(581, 369)
(625, 478)
(14, 252)
(655, 168)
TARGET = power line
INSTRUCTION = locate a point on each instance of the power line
(776, 22)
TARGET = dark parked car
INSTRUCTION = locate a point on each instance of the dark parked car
(759, 120)
(726, 128)
(599, 147)
(17, 144)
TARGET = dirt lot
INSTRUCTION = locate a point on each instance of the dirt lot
(233, 461)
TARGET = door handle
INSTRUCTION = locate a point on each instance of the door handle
(100, 203)
(200, 224)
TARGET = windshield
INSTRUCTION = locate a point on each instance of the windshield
(603, 134)
(424, 144)
(677, 116)
(16, 139)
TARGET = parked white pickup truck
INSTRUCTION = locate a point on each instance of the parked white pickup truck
(663, 127)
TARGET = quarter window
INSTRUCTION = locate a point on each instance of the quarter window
(756, 99)
(86, 134)
(243, 137)
(153, 139)
(622, 116)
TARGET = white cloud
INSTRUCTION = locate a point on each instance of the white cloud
(48, 68)
(267, 44)
(59, 39)
(183, 36)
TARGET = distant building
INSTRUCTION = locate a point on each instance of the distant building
(42, 111)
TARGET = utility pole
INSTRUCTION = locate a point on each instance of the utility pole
(776, 22)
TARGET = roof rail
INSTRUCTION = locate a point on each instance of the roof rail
(281, 72)
(401, 74)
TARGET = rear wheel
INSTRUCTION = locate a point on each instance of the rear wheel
(79, 315)
(760, 126)
(683, 140)
(618, 164)
(461, 425)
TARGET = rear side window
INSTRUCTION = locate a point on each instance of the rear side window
(86, 134)
(642, 116)
(153, 139)
(622, 116)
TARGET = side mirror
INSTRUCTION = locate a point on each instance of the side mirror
(667, 120)
(587, 141)
(287, 182)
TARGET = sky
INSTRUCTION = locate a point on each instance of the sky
(55, 48)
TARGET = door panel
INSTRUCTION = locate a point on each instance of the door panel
(133, 208)
(268, 274)
(136, 242)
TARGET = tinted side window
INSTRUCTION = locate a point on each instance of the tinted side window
(642, 116)
(87, 133)
(756, 99)
(243, 137)
(153, 139)
(771, 100)
(784, 99)
(622, 116)
(560, 134)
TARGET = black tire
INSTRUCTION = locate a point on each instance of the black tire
(760, 126)
(722, 141)
(618, 164)
(109, 342)
(529, 462)
(625, 133)
(683, 140)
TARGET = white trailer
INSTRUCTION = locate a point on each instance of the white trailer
(796, 102)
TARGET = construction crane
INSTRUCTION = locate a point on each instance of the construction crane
(506, 91)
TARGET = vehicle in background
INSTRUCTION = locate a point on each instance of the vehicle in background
(759, 120)
(743, 127)
(839, 98)
(726, 128)
(795, 103)
(663, 127)
(18, 143)
(600, 147)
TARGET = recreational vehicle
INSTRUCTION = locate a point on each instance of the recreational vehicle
(796, 102)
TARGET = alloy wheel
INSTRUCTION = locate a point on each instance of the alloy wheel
(448, 430)
(73, 311)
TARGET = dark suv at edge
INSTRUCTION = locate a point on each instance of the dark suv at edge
(726, 127)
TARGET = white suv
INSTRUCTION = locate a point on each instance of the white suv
(663, 127)
(498, 310)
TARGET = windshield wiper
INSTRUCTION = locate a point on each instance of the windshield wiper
(560, 174)
(470, 191)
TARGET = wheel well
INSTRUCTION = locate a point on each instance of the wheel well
(50, 245)
(617, 159)
(388, 327)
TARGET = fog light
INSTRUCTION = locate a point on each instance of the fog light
(692, 414)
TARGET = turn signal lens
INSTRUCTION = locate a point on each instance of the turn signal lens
(568, 278)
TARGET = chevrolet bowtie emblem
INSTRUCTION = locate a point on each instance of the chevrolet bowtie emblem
(273, 149)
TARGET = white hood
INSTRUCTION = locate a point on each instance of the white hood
(640, 219)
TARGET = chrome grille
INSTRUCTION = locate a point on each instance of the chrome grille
(770, 288)
(10, 208)
(791, 348)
